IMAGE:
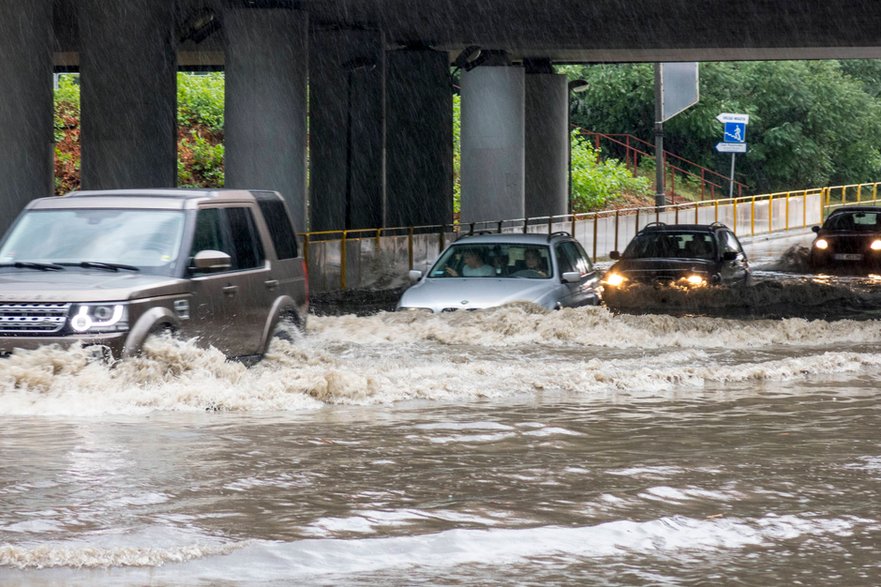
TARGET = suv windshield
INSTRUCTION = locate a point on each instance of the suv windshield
(684, 245)
(862, 221)
(494, 260)
(147, 239)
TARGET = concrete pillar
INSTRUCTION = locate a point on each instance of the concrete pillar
(419, 139)
(266, 59)
(25, 105)
(346, 129)
(493, 156)
(547, 144)
(128, 97)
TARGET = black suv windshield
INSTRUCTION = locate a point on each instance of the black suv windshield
(148, 240)
(854, 221)
(671, 244)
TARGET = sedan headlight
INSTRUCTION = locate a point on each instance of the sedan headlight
(94, 318)
(614, 279)
(821, 244)
(876, 245)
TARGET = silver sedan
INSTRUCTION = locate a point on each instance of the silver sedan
(488, 270)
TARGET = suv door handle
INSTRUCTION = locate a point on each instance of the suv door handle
(230, 290)
(271, 284)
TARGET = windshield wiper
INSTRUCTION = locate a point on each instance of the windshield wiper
(102, 265)
(34, 265)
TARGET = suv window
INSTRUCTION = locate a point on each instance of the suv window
(245, 238)
(232, 231)
(730, 242)
(571, 257)
(284, 239)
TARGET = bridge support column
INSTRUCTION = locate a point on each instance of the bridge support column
(266, 58)
(25, 105)
(346, 129)
(493, 159)
(419, 139)
(128, 93)
(547, 144)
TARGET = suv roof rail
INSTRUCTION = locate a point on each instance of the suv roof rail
(653, 225)
(558, 233)
(717, 224)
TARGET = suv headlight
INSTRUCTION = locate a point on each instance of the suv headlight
(93, 318)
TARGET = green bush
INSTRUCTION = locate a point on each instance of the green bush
(596, 182)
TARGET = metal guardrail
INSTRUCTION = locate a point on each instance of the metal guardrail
(381, 257)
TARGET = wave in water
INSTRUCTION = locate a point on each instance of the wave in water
(394, 357)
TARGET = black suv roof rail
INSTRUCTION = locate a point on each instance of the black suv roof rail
(558, 233)
(717, 224)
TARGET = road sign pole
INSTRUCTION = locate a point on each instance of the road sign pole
(731, 182)
(660, 194)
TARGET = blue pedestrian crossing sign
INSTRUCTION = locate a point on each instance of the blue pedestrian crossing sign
(735, 132)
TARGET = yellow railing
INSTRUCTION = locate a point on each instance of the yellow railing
(337, 258)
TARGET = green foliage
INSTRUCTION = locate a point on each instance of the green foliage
(812, 123)
(200, 161)
(596, 182)
(200, 100)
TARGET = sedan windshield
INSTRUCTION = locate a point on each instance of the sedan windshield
(148, 240)
(494, 260)
(667, 244)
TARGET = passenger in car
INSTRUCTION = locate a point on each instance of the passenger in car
(474, 266)
(534, 262)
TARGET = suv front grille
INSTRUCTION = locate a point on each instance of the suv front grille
(33, 318)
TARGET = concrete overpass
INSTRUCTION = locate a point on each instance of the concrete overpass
(363, 87)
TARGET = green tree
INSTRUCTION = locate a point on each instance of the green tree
(811, 122)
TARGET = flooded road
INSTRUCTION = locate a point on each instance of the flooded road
(505, 447)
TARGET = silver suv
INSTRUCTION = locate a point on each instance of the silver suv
(112, 267)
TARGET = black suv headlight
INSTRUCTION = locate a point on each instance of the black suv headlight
(94, 318)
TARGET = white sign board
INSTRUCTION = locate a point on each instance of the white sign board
(731, 147)
(729, 117)
(679, 88)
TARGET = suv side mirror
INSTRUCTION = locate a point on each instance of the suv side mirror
(209, 260)
(415, 275)
(614, 255)
(571, 277)
(815, 228)
(729, 256)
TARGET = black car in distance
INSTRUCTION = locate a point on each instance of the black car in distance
(849, 240)
(686, 255)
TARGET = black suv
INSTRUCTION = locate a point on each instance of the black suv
(850, 238)
(690, 255)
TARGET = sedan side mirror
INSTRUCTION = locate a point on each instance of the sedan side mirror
(614, 255)
(571, 277)
(414, 275)
(209, 260)
(815, 228)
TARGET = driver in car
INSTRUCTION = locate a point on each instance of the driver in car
(474, 266)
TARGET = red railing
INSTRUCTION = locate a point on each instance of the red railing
(712, 183)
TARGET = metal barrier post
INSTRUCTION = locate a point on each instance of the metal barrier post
(617, 217)
(410, 246)
(574, 218)
(787, 211)
(752, 217)
(770, 213)
(595, 229)
(306, 249)
(637, 221)
(804, 210)
(343, 260)
(734, 215)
